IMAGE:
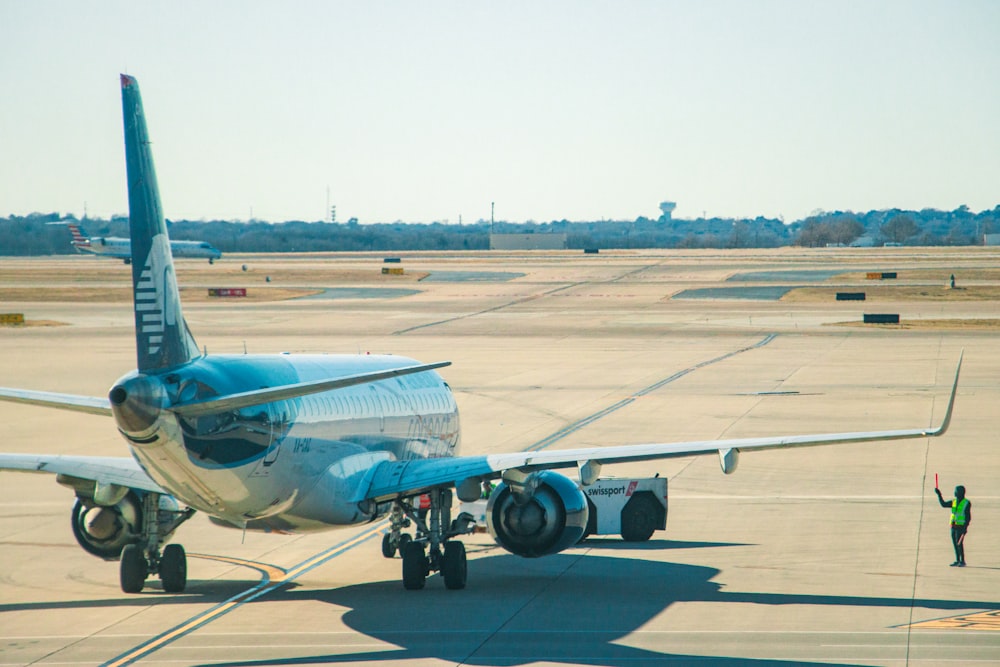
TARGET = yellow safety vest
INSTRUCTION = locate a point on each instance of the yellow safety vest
(958, 512)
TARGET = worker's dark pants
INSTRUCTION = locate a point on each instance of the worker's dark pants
(958, 541)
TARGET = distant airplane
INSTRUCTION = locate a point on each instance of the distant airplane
(119, 248)
(285, 443)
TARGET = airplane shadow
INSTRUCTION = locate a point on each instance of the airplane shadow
(565, 609)
(199, 591)
(217, 590)
(615, 543)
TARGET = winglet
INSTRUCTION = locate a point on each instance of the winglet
(946, 422)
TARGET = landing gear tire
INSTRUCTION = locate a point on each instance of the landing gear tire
(173, 568)
(388, 548)
(414, 566)
(639, 520)
(454, 567)
(133, 569)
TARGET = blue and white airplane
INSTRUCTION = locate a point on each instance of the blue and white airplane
(305, 443)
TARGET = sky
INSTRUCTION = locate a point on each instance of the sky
(436, 111)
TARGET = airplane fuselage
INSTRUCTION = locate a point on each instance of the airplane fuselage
(121, 248)
(299, 464)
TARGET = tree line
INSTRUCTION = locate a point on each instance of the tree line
(35, 235)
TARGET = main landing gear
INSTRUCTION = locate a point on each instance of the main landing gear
(143, 558)
(432, 550)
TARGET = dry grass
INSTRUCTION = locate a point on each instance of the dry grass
(257, 294)
(269, 279)
(939, 275)
(886, 293)
(64, 294)
(36, 323)
(933, 284)
(955, 324)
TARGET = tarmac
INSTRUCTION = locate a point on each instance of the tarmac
(835, 555)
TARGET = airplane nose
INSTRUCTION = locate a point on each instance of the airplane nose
(137, 403)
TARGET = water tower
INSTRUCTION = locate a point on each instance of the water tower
(668, 209)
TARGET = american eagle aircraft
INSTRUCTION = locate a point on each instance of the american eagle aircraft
(112, 246)
(309, 442)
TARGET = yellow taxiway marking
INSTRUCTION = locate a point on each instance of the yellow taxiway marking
(984, 620)
(270, 572)
(267, 585)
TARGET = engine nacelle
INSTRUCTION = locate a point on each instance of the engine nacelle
(548, 517)
(103, 530)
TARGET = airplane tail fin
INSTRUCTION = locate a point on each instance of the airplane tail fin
(79, 236)
(163, 339)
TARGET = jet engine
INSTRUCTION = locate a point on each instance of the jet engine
(542, 515)
(104, 530)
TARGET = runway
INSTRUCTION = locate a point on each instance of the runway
(828, 555)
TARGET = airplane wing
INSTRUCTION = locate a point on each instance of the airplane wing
(102, 469)
(123, 471)
(394, 479)
(89, 404)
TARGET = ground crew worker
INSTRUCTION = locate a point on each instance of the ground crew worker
(961, 517)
